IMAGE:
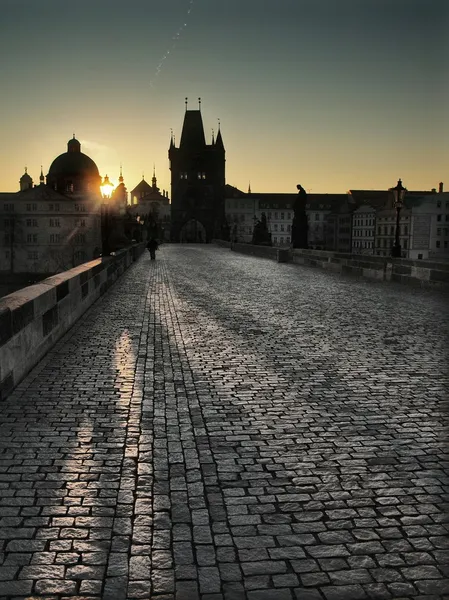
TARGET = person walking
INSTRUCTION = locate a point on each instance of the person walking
(152, 247)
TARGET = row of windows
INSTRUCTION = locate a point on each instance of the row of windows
(439, 204)
(402, 230)
(445, 231)
(199, 175)
(440, 218)
(363, 233)
(363, 244)
(438, 244)
(363, 222)
(281, 240)
(32, 238)
(383, 243)
(32, 207)
(35, 223)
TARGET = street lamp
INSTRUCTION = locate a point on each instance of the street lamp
(106, 190)
(399, 195)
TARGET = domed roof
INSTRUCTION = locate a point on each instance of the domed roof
(25, 177)
(73, 162)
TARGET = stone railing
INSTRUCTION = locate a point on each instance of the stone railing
(414, 272)
(278, 254)
(402, 270)
(34, 318)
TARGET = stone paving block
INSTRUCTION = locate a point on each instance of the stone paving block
(245, 431)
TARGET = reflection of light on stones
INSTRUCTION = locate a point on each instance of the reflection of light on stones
(124, 362)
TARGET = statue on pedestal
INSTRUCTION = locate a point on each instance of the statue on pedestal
(300, 225)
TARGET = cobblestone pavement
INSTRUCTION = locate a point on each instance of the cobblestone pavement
(223, 427)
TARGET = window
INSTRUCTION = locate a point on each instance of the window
(282, 227)
(445, 244)
(438, 244)
(80, 238)
(287, 239)
(405, 230)
(282, 240)
(29, 207)
(282, 216)
(29, 238)
(317, 216)
(54, 223)
(447, 205)
(275, 215)
(33, 255)
(378, 230)
(447, 218)
(391, 230)
(55, 237)
(289, 216)
(275, 227)
(29, 222)
(289, 228)
(57, 205)
(445, 232)
(50, 206)
(438, 231)
(385, 230)
(69, 187)
(9, 207)
(438, 203)
(405, 244)
(438, 217)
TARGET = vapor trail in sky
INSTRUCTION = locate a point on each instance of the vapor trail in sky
(175, 39)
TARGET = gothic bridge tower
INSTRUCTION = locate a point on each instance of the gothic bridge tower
(197, 182)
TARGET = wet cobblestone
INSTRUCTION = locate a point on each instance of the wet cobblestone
(224, 427)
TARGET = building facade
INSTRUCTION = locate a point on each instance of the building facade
(197, 183)
(53, 226)
(153, 209)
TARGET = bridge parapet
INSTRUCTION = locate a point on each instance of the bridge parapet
(381, 268)
(34, 318)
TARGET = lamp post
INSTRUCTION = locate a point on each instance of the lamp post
(106, 190)
(399, 195)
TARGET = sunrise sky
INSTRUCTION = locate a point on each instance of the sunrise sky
(332, 94)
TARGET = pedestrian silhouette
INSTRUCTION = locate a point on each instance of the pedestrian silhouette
(152, 247)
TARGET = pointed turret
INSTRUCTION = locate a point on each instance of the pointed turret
(41, 177)
(192, 137)
(219, 141)
(249, 187)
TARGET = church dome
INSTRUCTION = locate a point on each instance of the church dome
(73, 162)
(26, 178)
(73, 170)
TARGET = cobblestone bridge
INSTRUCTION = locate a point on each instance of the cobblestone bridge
(224, 427)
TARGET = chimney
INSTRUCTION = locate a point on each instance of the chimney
(440, 188)
(434, 190)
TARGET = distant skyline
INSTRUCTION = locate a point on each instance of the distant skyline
(330, 94)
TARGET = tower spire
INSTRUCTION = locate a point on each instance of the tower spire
(187, 101)
(41, 176)
(213, 137)
(199, 103)
(153, 180)
(121, 174)
(249, 187)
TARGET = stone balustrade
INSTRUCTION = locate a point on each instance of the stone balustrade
(33, 318)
